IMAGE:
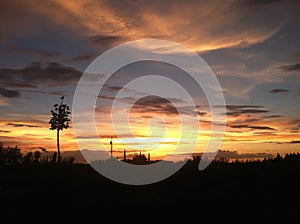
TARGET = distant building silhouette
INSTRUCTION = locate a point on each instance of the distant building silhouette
(138, 158)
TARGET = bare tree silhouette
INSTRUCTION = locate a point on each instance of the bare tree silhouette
(59, 121)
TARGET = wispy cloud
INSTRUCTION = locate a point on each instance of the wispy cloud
(237, 110)
(202, 25)
(44, 92)
(40, 53)
(83, 57)
(252, 127)
(9, 93)
(241, 107)
(273, 116)
(106, 40)
(279, 91)
(17, 125)
(290, 68)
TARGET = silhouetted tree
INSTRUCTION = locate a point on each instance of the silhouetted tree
(37, 156)
(10, 155)
(278, 157)
(59, 121)
(27, 158)
(53, 157)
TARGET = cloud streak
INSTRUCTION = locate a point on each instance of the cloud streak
(252, 127)
(18, 125)
(83, 57)
(9, 93)
(202, 25)
(40, 53)
(295, 142)
(52, 74)
(244, 109)
(290, 68)
(279, 91)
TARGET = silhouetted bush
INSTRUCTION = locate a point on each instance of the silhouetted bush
(10, 155)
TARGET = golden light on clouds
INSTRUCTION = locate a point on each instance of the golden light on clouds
(250, 46)
(201, 26)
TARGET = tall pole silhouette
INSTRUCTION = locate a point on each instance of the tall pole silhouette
(111, 147)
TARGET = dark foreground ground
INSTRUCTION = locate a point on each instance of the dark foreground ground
(247, 192)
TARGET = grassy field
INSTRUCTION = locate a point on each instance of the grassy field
(235, 190)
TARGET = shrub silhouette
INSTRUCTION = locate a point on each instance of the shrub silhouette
(10, 155)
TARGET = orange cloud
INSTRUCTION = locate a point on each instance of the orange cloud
(199, 25)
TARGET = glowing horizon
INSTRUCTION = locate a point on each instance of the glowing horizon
(252, 48)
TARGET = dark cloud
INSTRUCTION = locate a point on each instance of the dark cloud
(295, 142)
(17, 125)
(290, 68)
(155, 100)
(84, 57)
(238, 107)
(249, 120)
(273, 116)
(129, 135)
(107, 97)
(261, 128)
(236, 110)
(279, 91)
(40, 53)
(146, 116)
(154, 104)
(9, 93)
(4, 131)
(159, 105)
(201, 113)
(113, 88)
(294, 130)
(263, 133)
(290, 142)
(250, 5)
(52, 74)
(43, 92)
(246, 111)
(252, 127)
(19, 85)
(105, 40)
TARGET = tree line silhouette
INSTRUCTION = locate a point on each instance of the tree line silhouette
(12, 156)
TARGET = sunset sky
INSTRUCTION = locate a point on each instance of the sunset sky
(253, 48)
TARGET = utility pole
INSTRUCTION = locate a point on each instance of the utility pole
(111, 147)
